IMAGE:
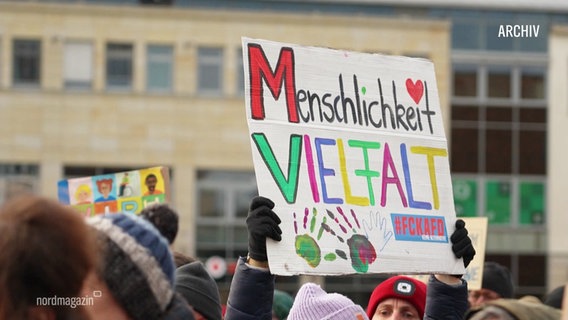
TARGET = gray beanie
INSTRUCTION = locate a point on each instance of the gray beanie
(138, 266)
(199, 289)
(497, 278)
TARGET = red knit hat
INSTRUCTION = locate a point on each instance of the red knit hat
(399, 287)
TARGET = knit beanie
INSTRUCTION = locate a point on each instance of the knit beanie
(199, 289)
(399, 287)
(138, 267)
(521, 309)
(281, 304)
(313, 303)
(555, 297)
(497, 278)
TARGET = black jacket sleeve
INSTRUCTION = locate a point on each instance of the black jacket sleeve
(251, 293)
(444, 301)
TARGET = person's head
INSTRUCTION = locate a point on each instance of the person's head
(151, 182)
(181, 259)
(514, 309)
(313, 303)
(164, 218)
(281, 304)
(555, 297)
(199, 290)
(398, 297)
(137, 274)
(104, 186)
(46, 250)
(497, 283)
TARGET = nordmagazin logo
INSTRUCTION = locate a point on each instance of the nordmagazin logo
(71, 302)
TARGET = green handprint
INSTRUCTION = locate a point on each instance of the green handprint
(361, 250)
(306, 246)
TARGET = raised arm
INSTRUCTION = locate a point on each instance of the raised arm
(446, 296)
(252, 287)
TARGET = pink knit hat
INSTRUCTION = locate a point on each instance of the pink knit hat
(313, 303)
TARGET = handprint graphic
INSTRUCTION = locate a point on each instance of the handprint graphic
(306, 246)
(361, 250)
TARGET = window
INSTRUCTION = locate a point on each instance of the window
(119, 66)
(498, 143)
(17, 179)
(532, 83)
(78, 65)
(222, 206)
(27, 62)
(159, 68)
(499, 82)
(210, 70)
(465, 81)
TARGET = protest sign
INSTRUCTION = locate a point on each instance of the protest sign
(128, 191)
(351, 148)
(477, 229)
(477, 232)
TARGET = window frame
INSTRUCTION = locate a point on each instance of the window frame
(160, 59)
(117, 56)
(78, 84)
(17, 80)
(515, 126)
(210, 61)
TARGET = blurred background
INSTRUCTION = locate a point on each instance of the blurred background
(94, 87)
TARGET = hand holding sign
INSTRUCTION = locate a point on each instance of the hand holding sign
(461, 243)
(262, 223)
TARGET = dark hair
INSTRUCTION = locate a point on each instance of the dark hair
(46, 250)
(181, 259)
(164, 218)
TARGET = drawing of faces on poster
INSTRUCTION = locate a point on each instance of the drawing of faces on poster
(105, 188)
(153, 182)
(128, 184)
(81, 191)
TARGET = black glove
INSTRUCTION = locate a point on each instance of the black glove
(262, 222)
(461, 243)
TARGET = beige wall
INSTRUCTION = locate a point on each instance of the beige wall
(53, 128)
(557, 187)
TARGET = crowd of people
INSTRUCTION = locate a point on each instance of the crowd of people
(56, 264)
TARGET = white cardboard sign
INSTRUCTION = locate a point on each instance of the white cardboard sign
(351, 148)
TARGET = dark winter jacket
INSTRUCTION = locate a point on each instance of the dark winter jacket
(444, 301)
(251, 293)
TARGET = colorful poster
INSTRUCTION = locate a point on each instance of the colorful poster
(129, 191)
(351, 148)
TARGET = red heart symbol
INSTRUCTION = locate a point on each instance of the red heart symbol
(415, 89)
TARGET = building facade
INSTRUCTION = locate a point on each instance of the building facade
(89, 89)
(557, 170)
